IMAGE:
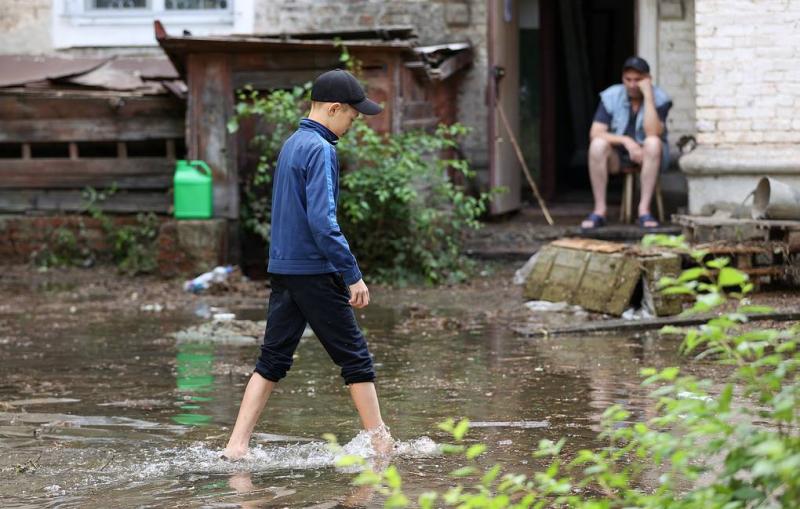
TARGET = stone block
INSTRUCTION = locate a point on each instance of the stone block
(191, 247)
(593, 279)
(653, 269)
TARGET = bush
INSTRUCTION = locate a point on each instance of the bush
(746, 451)
(132, 246)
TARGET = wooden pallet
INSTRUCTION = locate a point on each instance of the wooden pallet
(767, 250)
(702, 229)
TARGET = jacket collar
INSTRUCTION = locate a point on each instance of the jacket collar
(320, 129)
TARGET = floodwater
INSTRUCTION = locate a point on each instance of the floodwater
(112, 411)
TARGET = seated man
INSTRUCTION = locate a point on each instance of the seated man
(629, 129)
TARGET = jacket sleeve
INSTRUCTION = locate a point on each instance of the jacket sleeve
(321, 212)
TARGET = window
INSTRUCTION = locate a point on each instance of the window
(195, 4)
(110, 23)
(117, 4)
(157, 5)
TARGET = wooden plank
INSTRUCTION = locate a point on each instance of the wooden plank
(136, 173)
(90, 129)
(621, 326)
(686, 220)
(210, 105)
(597, 246)
(21, 201)
(62, 106)
(452, 65)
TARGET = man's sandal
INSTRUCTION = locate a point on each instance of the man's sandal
(596, 219)
(648, 218)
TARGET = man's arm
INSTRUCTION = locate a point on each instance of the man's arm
(599, 129)
(653, 126)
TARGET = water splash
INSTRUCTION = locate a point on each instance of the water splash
(200, 458)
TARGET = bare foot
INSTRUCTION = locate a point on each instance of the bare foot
(382, 441)
(232, 453)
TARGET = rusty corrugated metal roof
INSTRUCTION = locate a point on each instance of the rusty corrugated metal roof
(21, 69)
(138, 75)
(437, 62)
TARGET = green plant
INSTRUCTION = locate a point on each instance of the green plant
(280, 111)
(404, 218)
(63, 247)
(734, 447)
(133, 248)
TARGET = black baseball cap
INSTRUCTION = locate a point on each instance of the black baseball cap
(637, 64)
(339, 86)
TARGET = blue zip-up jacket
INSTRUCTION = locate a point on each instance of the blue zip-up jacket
(305, 237)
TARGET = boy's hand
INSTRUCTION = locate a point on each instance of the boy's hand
(359, 294)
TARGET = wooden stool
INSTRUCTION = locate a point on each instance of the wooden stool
(626, 207)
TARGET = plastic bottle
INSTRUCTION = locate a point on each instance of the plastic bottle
(203, 281)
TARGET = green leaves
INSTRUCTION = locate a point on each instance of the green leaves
(731, 277)
(475, 451)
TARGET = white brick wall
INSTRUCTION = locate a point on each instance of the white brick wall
(676, 71)
(25, 26)
(748, 79)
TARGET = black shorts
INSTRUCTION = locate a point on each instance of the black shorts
(624, 157)
(321, 301)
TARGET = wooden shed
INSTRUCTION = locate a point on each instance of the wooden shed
(418, 85)
(67, 124)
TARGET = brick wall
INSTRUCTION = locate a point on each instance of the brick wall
(748, 79)
(183, 247)
(676, 70)
(435, 21)
(25, 26)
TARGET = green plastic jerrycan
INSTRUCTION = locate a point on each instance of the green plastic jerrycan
(193, 190)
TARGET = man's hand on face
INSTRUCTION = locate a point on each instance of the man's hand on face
(646, 85)
(359, 294)
(634, 150)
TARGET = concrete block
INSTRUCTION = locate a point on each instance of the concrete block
(191, 247)
(653, 269)
(594, 280)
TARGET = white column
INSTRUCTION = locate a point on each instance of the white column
(647, 33)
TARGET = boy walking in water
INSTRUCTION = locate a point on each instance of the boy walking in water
(315, 278)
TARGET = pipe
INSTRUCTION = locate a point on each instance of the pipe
(773, 199)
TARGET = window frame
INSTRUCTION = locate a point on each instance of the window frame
(83, 14)
(76, 24)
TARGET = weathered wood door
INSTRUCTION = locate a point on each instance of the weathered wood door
(504, 169)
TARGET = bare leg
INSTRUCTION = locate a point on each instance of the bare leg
(366, 400)
(651, 161)
(602, 161)
(253, 402)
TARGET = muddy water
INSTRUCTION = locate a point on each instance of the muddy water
(111, 411)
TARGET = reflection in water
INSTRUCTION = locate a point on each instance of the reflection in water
(195, 379)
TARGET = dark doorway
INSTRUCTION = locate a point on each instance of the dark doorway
(583, 44)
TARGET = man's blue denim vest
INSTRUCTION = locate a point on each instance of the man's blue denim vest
(616, 102)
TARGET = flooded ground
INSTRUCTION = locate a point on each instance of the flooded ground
(103, 407)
